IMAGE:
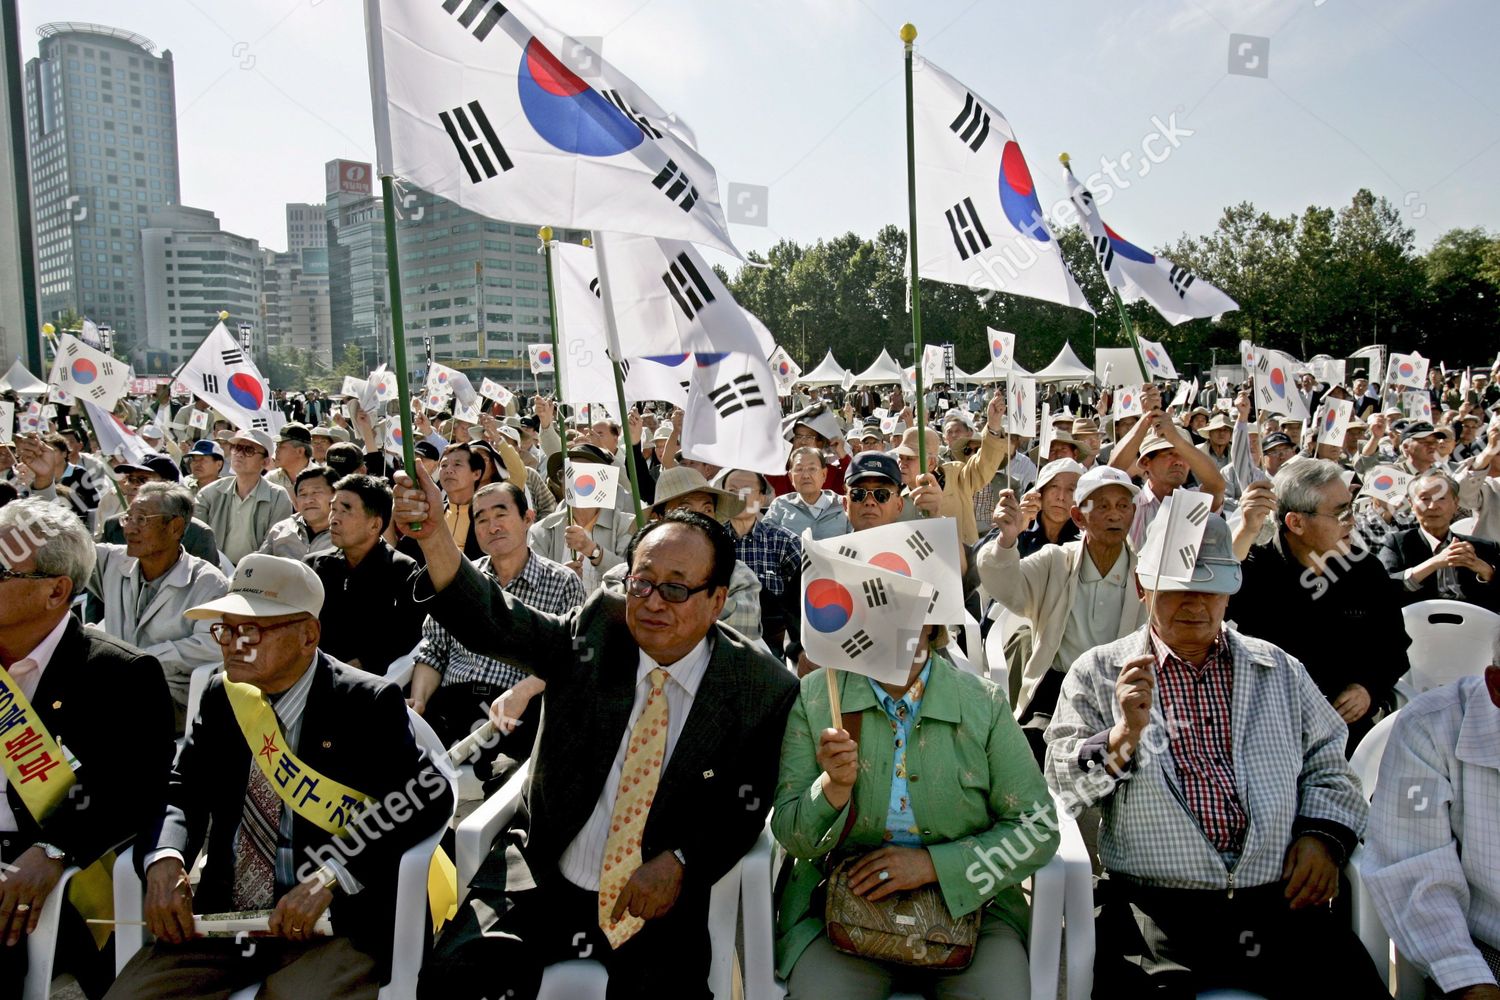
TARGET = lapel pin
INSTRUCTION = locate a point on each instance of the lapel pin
(708, 774)
(57, 704)
(327, 744)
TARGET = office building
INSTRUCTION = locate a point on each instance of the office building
(305, 227)
(191, 271)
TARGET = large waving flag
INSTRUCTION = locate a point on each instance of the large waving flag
(857, 616)
(1174, 291)
(1275, 385)
(733, 418)
(486, 104)
(979, 222)
(222, 375)
(115, 439)
(925, 550)
(668, 300)
(82, 372)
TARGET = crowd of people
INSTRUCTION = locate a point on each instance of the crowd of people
(196, 639)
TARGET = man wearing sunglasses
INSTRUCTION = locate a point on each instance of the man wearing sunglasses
(241, 508)
(289, 746)
(651, 776)
(90, 726)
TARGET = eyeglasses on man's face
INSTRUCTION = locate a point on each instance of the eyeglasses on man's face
(673, 593)
(880, 493)
(6, 573)
(246, 633)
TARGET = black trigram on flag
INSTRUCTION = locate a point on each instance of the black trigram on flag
(1182, 279)
(875, 593)
(471, 11)
(919, 544)
(210, 383)
(736, 395)
(72, 348)
(806, 562)
(478, 146)
(1105, 251)
(106, 367)
(685, 282)
(932, 604)
(847, 552)
(968, 232)
(232, 357)
(99, 392)
(1198, 514)
(859, 642)
(1263, 363)
(594, 287)
(624, 369)
(676, 186)
(972, 124)
(259, 424)
(641, 121)
(1189, 555)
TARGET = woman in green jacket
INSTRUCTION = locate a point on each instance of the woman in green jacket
(947, 793)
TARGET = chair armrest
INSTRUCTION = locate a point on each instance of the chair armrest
(412, 926)
(41, 944)
(760, 921)
(1048, 899)
(1078, 905)
(399, 672)
(472, 840)
(130, 935)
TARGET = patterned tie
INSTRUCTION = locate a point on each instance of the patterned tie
(255, 845)
(638, 780)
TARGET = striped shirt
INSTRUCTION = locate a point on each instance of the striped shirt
(1198, 700)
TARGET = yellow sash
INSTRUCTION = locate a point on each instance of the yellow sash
(39, 771)
(316, 797)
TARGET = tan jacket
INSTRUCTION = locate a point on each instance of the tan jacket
(961, 480)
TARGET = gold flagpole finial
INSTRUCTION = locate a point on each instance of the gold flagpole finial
(545, 234)
(223, 315)
(588, 242)
(1064, 159)
(908, 33)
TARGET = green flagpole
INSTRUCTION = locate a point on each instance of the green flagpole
(557, 365)
(614, 363)
(1129, 328)
(398, 325)
(909, 35)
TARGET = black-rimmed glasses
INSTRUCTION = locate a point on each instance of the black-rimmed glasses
(673, 593)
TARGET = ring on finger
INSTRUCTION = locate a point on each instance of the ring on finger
(884, 875)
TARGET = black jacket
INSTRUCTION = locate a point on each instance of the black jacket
(108, 704)
(1403, 550)
(355, 731)
(368, 613)
(718, 786)
(1344, 626)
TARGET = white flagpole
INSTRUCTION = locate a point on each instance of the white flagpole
(612, 337)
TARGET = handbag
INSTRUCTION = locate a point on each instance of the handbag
(909, 927)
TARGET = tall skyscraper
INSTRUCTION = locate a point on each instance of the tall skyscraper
(192, 270)
(305, 227)
(102, 124)
(19, 321)
(356, 262)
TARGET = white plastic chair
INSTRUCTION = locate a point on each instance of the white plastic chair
(1005, 624)
(469, 787)
(41, 944)
(411, 897)
(1064, 883)
(197, 684)
(1449, 640)
(1366, 759)
(582, 978)
(1464, 525)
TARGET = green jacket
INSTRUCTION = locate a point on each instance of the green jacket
(984, 810)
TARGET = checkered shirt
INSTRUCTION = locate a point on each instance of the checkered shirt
(772, 552)
(542, 585)
(1289, 769)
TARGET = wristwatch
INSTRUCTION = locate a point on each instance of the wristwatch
(53, 852)
(595, 555)
(677, 853)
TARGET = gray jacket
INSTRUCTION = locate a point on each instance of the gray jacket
(217, 503)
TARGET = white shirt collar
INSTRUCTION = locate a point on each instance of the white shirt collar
(42, 654)
(687, 671)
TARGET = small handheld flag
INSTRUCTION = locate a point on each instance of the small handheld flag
(591, 485)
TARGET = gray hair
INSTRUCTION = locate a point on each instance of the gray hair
(1297, 484)
(1431, 476)
(171, 499)
(56, 537)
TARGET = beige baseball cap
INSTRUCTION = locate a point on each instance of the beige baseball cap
(267, 587)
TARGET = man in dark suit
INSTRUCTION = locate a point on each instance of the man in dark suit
(285, 828)
(89, 702)
(652, 773)
(1431, 560)
(91, 699)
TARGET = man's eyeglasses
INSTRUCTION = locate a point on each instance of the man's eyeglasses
(132, 520)
(248, 633)
(1344, 515)
(6, 573)
(673, 593)
(880, 493)
(245, 449)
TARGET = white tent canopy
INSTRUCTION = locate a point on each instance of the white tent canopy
(882, 371)
(990, 373)
(1065, 368)
(22, 382)
(828, 372)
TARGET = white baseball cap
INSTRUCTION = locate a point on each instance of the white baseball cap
(267, 586)
(1099, 477)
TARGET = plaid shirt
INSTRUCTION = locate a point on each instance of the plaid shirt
(1289, 770)
(772, 552)
(542, 585)
(1199, 699)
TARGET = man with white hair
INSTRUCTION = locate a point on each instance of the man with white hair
(1431, 560)
(60, 804)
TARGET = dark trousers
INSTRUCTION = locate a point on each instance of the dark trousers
(1171, 944)
(76, 953)
(499, 945)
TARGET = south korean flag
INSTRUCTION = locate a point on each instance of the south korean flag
(925, 550)
(486, 104)
(591, 485)
(733, 417)
(857, 616)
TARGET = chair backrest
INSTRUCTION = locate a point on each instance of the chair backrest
(1464, 525)
(1366, 759)
(427, 738)
(1449, 640)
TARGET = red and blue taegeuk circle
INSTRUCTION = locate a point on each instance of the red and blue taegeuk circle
(1278, 381)
(669, 360)
(545, 357)
(84, 371)
(1127, 401)
(567, 112)
(828, 605)
(396, 435)
(1330, 420)
(1152, 358)
(997, 348)
(246, 390)
(1383, 482)
(584, 485)
(891, 561)
(1018, 195)
(783, 369)
(1407, 369)
(1127, 249)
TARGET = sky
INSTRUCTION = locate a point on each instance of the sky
(805, 98)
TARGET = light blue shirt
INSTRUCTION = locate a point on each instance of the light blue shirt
(900, 822)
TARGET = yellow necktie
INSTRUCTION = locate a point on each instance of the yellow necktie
(458, 523)
(638, 780)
